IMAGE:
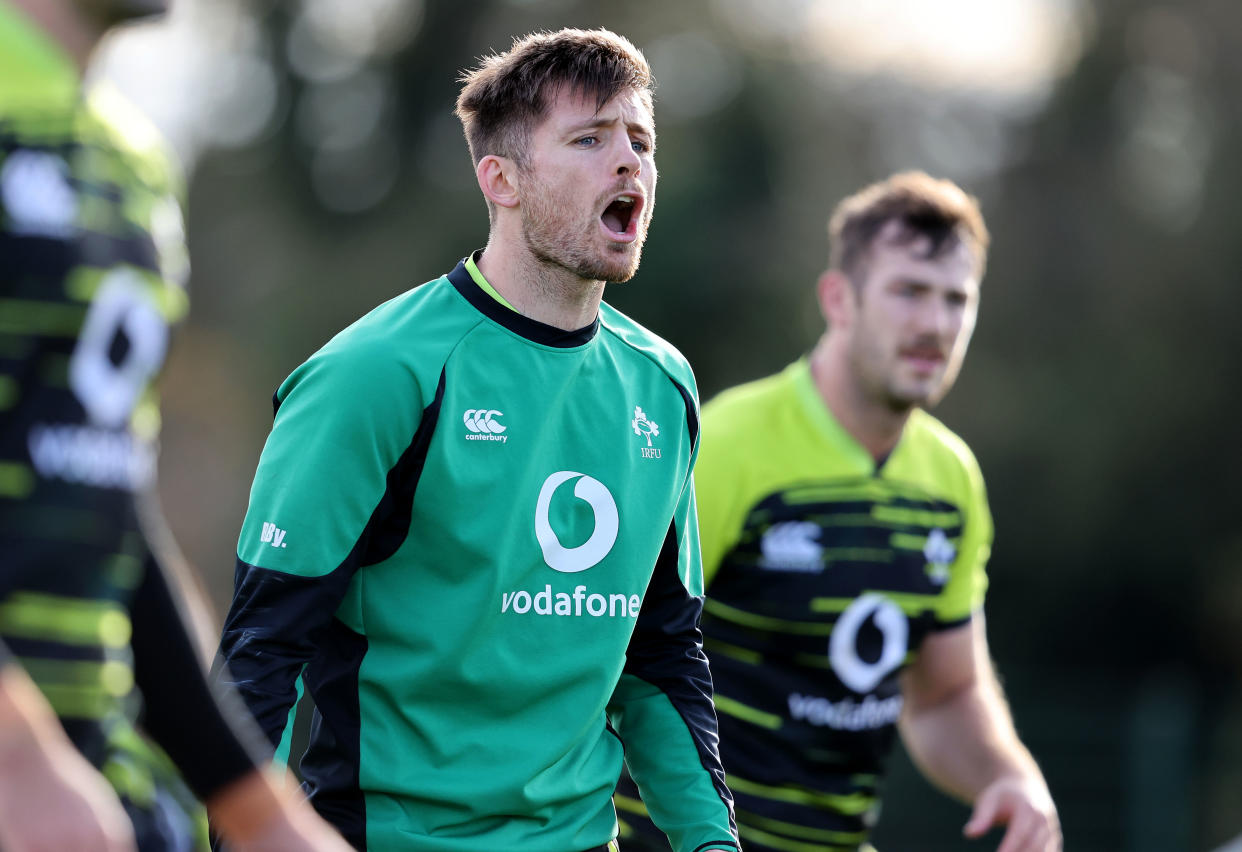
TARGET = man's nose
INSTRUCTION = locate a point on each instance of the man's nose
(937, 318)
(628, 161)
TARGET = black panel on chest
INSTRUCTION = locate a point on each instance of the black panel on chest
(839, 540)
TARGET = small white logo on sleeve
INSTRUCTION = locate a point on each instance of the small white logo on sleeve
(643, 426)
(940, 553)
(272, 535)
(484, 424)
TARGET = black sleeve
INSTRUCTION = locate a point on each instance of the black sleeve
(205, 731)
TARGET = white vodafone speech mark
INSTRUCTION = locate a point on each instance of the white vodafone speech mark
(854, 672)
(571, 560)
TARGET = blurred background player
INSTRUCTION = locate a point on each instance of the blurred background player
(845, 533)
(92, 267)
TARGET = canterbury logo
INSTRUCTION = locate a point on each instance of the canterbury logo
(484, 424)
(272, 535)
(483, 420)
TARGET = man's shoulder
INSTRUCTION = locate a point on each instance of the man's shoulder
(928, 436)
(646, 342)
(420, 317)
(744, 406)
(409, 334)
(112, 123)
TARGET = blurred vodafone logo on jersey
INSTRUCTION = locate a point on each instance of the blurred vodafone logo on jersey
(571, 560)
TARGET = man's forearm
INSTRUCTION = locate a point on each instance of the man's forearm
(967, 742)
(27, 722)
(50, 796)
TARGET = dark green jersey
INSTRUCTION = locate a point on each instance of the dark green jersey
(476, 535)
(826, 571)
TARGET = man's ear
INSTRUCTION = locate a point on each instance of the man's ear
(496, 176)
(837, 299)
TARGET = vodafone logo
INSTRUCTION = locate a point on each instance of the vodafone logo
(571, 560)
(484, 424)
(582, 601)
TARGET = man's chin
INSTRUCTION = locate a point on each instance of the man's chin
(903, 400)
(620, 266)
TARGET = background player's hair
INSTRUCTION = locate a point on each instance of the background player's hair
(506, 96)
(928, 207)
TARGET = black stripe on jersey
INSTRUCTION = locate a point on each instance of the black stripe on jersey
(334, 754)
(57, 651)
(390, 522)
(34, 260)
(692, 414)
(182, 713)
(285, 615)
(533, 330)
(666, 650)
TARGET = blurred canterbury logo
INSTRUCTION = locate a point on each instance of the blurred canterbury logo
(484, 424)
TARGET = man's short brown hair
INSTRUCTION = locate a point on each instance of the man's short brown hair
(508, 94)
(927, 207)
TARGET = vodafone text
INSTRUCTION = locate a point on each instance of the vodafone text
(579, 603)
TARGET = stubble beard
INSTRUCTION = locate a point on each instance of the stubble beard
(883, 387)
(554, 239)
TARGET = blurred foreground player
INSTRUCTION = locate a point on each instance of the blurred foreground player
(845, 533)
(91, 270)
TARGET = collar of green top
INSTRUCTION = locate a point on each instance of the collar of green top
(484, 284)
(825, 422)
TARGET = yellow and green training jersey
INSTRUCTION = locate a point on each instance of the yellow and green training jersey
(92, 267)
(826, 571)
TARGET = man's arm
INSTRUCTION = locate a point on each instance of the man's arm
(348, 434)
(50, 796)
(958, 730)
(662, 708)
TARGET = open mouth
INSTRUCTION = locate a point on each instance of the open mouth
(620, 217)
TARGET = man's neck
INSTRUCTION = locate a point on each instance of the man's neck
(550, 294)
(872, 424)
(74, 31)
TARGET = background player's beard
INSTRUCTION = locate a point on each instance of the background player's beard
(555, 236)
(876, 378)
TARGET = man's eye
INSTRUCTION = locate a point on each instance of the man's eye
(640, 146)
(586, 141)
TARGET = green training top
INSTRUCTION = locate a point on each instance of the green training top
(825, 573)
(477, 534)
